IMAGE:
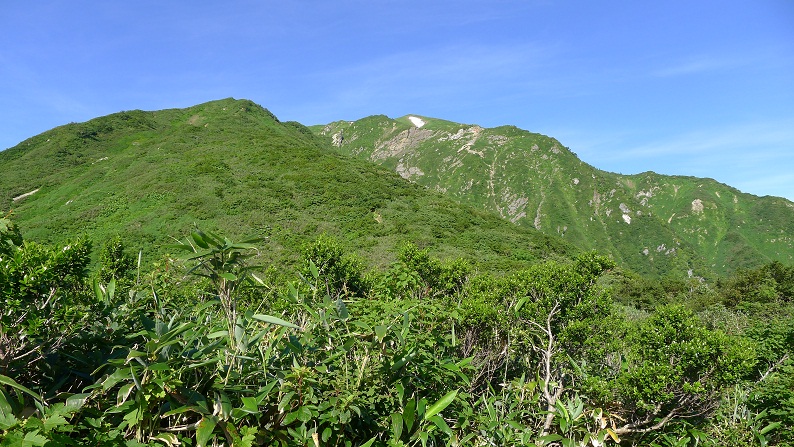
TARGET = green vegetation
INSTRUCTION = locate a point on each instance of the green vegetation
(360, 309)
(422, 352)
(654, 224)
(230, 166)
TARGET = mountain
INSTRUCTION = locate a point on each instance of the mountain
(231, 166)
(653, 223)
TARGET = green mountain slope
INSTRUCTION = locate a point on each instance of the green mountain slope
(231, 166)
(652, 223)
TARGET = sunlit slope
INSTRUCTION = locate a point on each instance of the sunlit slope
(231, 166)
(535, 181)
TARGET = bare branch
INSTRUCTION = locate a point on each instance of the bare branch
(773, 367)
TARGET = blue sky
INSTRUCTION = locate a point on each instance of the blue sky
(702, 88)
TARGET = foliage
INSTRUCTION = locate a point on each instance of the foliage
(772, 282)
(424, 352)
(114, 262)
(676, 368)
(341, 274)
(41, 301)
(225, 264)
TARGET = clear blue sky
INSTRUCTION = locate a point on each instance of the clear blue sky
(703, 88)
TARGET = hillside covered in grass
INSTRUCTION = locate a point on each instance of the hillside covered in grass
(656, 224)
(233, 167)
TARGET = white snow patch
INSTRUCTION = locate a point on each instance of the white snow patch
(22, 196)
(418, 122)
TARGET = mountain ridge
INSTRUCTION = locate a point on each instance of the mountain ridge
(534, 180)
(232, 166)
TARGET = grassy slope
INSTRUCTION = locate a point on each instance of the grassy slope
(534, 181)
(231, 166)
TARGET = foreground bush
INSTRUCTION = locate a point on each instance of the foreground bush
(425, 353)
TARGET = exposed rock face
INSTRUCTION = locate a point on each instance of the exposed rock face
(337, 139)
(401, 143)
(407, 172)
(697, 206)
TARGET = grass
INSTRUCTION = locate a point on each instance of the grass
(230, 166)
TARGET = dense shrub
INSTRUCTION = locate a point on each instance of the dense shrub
(423, 352)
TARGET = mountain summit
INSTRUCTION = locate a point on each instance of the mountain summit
(231, 166)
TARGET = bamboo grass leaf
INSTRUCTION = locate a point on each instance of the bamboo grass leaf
(440, 405)
(273, 320)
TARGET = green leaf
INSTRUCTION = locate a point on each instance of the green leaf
(396, 425)
(133, 353)
(769, 428)
(183, 247)
(400, 390)
(217, 334)
(313, 269)
(326, 434)
(243, 246)
(199, 240)
(5, 407)
(273, 320)
(204, 430)
(290, 418)
(228, 276)
(421, 407)
(520, 304)
(341, 309)
(403, 359)
(54, 421)
(5, 380)
(305, 414)
(184, 409)
(34, 438)
(224, 403)
(159, 366)
(257, 279)
(76, 401)
(124, 393)
(550, 438)
(441, 424)
(7, 421)
(135, 378)
(409, 414)
(441, 404)
(381, 331)
(98, 290)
